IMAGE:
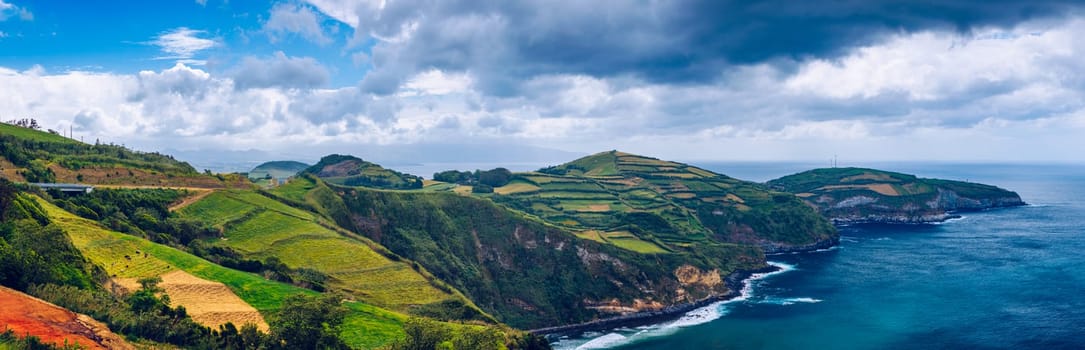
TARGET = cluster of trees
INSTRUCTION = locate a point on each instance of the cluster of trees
(10, 340)
(29, 123)
(74, 155)
(427, 334)
(32, 249)
(481, 181)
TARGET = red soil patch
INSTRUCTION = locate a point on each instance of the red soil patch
(26, 315)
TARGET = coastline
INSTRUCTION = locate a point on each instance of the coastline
(735, 281)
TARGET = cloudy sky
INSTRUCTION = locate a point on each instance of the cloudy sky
(459, 80)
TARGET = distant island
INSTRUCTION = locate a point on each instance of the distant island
(858, 195)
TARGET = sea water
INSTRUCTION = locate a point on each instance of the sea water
(1004, 278)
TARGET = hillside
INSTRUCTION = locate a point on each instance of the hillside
(652, 206)
(260, 228)
(117, 254)
(522, 271)
(36, 156)
(858, 195)
(608, 234)
(353, 171)
(277, 169)
(23, 314)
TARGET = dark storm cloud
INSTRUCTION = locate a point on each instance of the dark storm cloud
(504, 42)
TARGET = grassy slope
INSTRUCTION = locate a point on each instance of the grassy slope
(260, 227)
(658, 205)
(108, 249)
(353, 171)
(34, 135)
(73, 161)
(525, 272)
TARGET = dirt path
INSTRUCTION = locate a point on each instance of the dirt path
(25, 314)
(191, 199)
(209, 303)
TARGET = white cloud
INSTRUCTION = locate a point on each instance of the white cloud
(436, 82)
(298, 19)
(182, 43)
(1012, 94)
(8, 10)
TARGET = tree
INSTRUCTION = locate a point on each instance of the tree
(309, 322)
(495, 178)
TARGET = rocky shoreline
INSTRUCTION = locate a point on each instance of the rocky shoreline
(774, 249)
(736, 282)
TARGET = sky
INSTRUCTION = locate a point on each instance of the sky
(475, 80)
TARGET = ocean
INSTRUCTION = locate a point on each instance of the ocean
(1006, 278)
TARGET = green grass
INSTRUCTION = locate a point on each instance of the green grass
(296, 189)
(370, 327)
(636, 245)
(366, 326)
(295, 237)
(28, 134)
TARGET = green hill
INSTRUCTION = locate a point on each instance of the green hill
(859, 195)
(37, 156)
(353, 171)
(114, 252)
(277, 169)
(523, 271)
(260, 227)
(607, 234)
(650, 205)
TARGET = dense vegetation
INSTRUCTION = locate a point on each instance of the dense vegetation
(259, 227)
(523, 271)
(23, 147)
(352, 171)
(33, 250)
(65, 258)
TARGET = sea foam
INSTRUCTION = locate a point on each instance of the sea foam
(702, 315)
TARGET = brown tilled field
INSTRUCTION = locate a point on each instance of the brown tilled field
(26, 315)
(209, 303)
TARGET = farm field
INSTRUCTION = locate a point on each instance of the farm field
(108, 249)
(260, 227)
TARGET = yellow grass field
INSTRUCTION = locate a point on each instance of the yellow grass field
(209, 303)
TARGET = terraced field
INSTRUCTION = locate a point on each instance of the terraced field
(659, 205)
(260, 227)
(125, 256)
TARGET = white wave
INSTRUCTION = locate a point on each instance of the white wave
(829, 249)
(702, 315)
(607, 341)
(791, 301)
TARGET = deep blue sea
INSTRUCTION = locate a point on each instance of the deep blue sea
(1000, 279)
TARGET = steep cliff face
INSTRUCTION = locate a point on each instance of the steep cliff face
(856, 195)
(532, 275)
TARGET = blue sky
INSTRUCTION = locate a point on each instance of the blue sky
(425, 80)
(122, 36)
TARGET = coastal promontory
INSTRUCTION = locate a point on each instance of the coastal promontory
(860, 195)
